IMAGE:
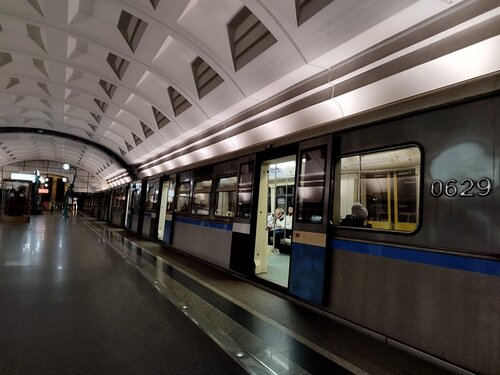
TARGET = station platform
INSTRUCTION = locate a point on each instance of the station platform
(81, 296)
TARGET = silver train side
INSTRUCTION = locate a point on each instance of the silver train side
(435, 289)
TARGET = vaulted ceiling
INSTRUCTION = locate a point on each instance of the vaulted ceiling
(126, 89)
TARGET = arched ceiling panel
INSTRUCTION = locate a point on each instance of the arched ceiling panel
(101, 166)
(166, 83)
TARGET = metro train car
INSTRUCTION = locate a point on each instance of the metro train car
(421, 265)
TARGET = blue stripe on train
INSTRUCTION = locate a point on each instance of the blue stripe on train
(307, 272)
(204, 223)
(457, 262)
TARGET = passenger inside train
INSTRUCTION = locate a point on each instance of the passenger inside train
(357, 218)
(289, 222)
(276, 229)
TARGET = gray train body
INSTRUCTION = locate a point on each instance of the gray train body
(433, 304)
(434, 284)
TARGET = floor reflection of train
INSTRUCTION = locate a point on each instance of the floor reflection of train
(421, 268)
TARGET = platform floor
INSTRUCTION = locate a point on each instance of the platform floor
(80, 296)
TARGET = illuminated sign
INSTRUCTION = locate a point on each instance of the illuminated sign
(22, 176)
(43, 191)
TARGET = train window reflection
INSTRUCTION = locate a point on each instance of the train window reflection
(226, 196)
(183, 194)
(245, 190)
(152, 194)
(311, 185)
(379, 190)
(119, 198)
(201, 197)
(136, 195)
(170, 195)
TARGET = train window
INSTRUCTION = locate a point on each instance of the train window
(183, 194)
(379, 190)
(311, 185)
(226, 196)
(136, 196)
(170, 195)
(201, 197)
(244, 207)
(119, 198)
(152, 194)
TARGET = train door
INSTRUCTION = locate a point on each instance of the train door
(166, 210)
(309, 246)
(242, 241)
(118, 206)
(149, 218)
(134, 206)
(273, 238)
(107, 206)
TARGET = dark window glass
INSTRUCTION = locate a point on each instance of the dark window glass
(311, 186)
(226, 196)
(119, 198)
(171, 195)
(183, 195)
(136, 196)
(245, 190)
(201, 197)
(152, 195)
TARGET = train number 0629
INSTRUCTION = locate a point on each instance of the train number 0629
(468, 187)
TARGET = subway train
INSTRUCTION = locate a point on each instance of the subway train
(419, 268)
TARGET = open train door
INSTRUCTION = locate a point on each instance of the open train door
(309, 250)
(274, 216)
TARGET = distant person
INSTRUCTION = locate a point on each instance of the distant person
(75, 204)
(357, 218)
